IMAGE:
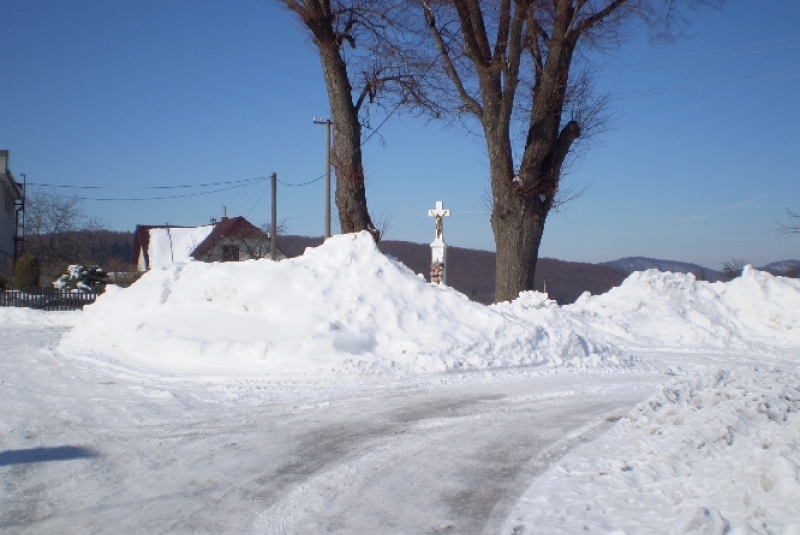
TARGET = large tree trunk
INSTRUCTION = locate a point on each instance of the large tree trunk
(517, 234)
(517, 222)
(520, 209)
(522, 203)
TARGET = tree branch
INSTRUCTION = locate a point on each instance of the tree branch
(503, 29)
(591, 20)
(568, 135)
(472, 104)
(474, 32)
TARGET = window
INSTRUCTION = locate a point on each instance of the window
(230, 253)
(9, 203)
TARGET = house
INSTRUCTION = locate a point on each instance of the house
(229, 240)
(11, 194)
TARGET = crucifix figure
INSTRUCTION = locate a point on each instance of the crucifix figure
(438, 247)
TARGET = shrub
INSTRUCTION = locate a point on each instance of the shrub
(26, 275)
(78, 277)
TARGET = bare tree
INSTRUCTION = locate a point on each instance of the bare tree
(357, 45)
(55, 232)
(732, 269)
(793, 227)
(517, 63)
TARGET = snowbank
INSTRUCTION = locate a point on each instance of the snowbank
(651, 309)
(340, 308)
(717, 452)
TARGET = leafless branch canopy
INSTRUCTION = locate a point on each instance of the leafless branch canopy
(53, 231)
(792, 227)
(371, 38)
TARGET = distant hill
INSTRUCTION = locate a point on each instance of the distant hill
(471, 271)
(789, 268)
(640, 263)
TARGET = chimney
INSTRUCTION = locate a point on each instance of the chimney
(3, 161)
(224, 213)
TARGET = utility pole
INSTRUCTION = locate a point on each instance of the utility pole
(328, 123)
(273, 242)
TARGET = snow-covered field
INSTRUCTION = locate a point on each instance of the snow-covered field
(339, 393)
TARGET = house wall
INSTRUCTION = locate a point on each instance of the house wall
(249, 249)
(7, 214)
(140, 263)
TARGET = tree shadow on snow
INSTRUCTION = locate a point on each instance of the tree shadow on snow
(38, 455)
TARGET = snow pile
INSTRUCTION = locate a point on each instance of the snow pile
(651, 309)
(342, 307)
(717, 452)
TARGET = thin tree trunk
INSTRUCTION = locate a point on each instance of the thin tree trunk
(351, 196)
(319, 16)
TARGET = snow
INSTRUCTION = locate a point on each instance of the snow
(341, 308)
(338, 392)
(174, 244)
(31, 317)
(755, 312)
(713, 452)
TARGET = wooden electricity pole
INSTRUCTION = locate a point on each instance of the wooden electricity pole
(328, 123)
(273, 243)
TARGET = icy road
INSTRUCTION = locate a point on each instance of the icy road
(88, 449)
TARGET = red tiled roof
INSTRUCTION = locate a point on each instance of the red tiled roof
(233, 227)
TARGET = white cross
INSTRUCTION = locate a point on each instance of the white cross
(439, 213)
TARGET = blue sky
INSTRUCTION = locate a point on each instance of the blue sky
(700, 164)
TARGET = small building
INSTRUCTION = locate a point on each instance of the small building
(11, 195)
(229, 240)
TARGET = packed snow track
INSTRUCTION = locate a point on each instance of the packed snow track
(89, 449)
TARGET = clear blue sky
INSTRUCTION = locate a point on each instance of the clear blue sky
(701, 163)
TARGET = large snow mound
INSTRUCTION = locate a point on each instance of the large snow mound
(652, 309)
(712, 452)
(340, 308)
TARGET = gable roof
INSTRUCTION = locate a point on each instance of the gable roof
(232, 228)
(162, 245)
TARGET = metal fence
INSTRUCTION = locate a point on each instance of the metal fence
(47, 299)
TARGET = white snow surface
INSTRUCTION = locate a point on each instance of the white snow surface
(656, 310)
(713, 452)
(28, 316)
(174, 244)
(341, 308)
(715, 448)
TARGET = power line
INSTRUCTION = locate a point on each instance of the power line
(141, 199)
(256, 203)
(711, 84)
(302, 184)
(699, 57)
(209, 184)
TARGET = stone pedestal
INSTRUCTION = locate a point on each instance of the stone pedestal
(438, 258)
(438, 247)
